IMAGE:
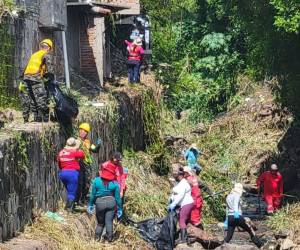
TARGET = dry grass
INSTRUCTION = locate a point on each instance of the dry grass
(146, 197)
(235, 142)
(287, 219)
(147, 193)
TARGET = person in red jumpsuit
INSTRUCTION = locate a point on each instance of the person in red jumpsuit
(272, 182)
(196, 213)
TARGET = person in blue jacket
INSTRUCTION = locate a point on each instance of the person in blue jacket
(105, 195)
(191, 156)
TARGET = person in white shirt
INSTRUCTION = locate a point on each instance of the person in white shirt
(235, 217)
(181, 197)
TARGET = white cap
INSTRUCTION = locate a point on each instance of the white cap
(238, 188)
(274, 167)
(188, 170)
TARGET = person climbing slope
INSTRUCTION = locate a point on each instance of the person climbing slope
(134, 60)
(88, 148)
(105, 194)
(37, 73)
(68, 162)
(272, 183)
(191, 156)
(196, 194)
(115, 166)
(181, 197)
(235, 217)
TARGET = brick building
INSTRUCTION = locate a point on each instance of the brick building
(90, 26)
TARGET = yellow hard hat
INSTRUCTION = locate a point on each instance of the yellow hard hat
(48, 42)
(85, 126)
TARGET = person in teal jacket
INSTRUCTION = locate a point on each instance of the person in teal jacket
(191, 156)
(105, 194)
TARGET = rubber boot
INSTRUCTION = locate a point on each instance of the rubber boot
(109, 238)
(68, 205)
(182, 237)
(257, 241)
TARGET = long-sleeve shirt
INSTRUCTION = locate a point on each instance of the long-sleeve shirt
(273, 184)
(99, 189)
(135, 52)
(120, 174)
(191, 156)
(233, 204)
(181, 194)
(68, 159)
(88, 148)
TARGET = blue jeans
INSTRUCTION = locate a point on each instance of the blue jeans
(134, 71)
(70, 180)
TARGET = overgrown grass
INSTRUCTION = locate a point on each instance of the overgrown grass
(146, 197)
(147, 194)
(286, 218)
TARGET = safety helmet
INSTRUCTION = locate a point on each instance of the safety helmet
(85, 126)
(48, 42)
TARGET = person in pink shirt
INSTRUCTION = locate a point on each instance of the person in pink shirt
(134, 60)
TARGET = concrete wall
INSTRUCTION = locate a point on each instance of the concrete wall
(27, 35)
(28, 171)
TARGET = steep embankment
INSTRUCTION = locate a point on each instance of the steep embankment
(236, 146)
(28, 172)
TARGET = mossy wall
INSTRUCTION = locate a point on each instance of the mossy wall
(28, 171)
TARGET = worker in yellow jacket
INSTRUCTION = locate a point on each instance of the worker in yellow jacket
(37, 73)
(86, 164)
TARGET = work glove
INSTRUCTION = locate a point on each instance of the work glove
(236, 215)
(90, 209)
(226, 223)
(171, 208)
(98, 142)
(119, 213)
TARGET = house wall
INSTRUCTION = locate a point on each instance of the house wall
(88, 31)
(72, 36)
(93, 54)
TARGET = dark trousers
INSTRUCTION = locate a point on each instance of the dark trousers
(105, 212)
(134, 71)
(84, 182)
(39, 100)
(241, 222)
(25, 104)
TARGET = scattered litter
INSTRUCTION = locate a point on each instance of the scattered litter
(54, 216)
(98, 104)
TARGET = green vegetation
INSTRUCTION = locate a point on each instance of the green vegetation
(7, 94)
(207, 44)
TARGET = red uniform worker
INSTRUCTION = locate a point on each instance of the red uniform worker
(196, 213)
(273, 188)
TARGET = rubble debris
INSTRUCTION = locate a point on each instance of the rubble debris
(200, 129)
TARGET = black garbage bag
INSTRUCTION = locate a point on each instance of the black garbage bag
(166, 238)
(160, 233)
(65, 105)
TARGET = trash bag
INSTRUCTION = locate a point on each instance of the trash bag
(160, 233)
(166, 238)
(150, 229)
(65, 104)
